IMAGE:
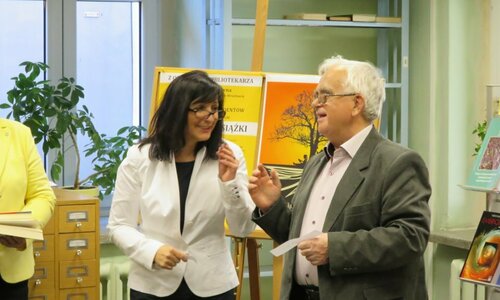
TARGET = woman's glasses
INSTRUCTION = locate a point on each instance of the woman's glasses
(205, 114)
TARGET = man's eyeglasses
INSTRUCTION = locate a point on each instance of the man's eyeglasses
(322, 98)
(205, 114)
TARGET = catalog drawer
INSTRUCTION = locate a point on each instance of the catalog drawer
(78, 274)
(77, 294)
(44, 250)
(44, 276)
(77, 218)
(42, 295)
(77, 246)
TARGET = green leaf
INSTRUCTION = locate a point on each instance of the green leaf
(52, 112)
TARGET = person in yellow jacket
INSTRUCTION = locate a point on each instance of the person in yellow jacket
(24, 186)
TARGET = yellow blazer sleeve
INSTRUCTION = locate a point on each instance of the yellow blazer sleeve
(40, 198)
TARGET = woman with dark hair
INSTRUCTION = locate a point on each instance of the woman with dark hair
(174, 191)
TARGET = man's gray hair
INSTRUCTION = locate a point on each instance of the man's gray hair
(363, 78)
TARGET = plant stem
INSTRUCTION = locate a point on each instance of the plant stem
(76, 183)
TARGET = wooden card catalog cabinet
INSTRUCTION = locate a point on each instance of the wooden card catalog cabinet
(67, 260)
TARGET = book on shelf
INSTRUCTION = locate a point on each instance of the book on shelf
(20, 224)
(383, 19)
(481, 263)
(353, 18)
(340, 18)
(485, 173)
(306, 16)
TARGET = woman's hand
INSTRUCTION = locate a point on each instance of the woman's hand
(168, 257)
(228, 164)
(13, 242)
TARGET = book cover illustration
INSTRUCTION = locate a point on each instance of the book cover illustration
(289, 134)
(485, 174)
(482, 259)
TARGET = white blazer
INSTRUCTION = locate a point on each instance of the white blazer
(150, 189)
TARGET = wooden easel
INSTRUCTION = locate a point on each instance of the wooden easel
(250, 243)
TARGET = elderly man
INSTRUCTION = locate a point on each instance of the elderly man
(367, 195)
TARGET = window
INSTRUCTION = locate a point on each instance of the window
(108, 64)
(100, 44)
(21, 39)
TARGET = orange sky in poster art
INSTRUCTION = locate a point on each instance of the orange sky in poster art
(281, 95)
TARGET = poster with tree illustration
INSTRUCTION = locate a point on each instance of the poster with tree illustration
(289, 134)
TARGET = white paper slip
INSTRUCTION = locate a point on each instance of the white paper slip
(290, 244)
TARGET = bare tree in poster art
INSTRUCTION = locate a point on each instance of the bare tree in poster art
(298, 125)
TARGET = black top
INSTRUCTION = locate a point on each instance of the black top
(184, 171)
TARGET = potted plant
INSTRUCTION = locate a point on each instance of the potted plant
(53, 114)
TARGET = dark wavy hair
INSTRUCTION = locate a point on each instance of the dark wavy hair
(169, 121)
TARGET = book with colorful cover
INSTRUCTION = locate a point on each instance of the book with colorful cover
(481, 264)
(20, 224)
(485, 174)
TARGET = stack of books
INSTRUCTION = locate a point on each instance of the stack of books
(348, 17)
(20, 224)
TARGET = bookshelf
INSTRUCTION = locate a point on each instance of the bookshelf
(492, 197)
(390, 52)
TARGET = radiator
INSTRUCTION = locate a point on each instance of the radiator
(462, 290)
(114, 277)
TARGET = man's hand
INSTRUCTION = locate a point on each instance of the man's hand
(13, 242)
(315, 250)
(168, 257)
(264, 188)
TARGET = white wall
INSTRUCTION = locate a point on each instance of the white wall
(494, 33)
(450, 64)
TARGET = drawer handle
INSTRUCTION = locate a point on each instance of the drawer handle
(38, 282)
(37, 253)
(78, 252)
(78, 224)
(79, 280)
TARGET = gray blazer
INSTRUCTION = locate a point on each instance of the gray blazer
(377, 224)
